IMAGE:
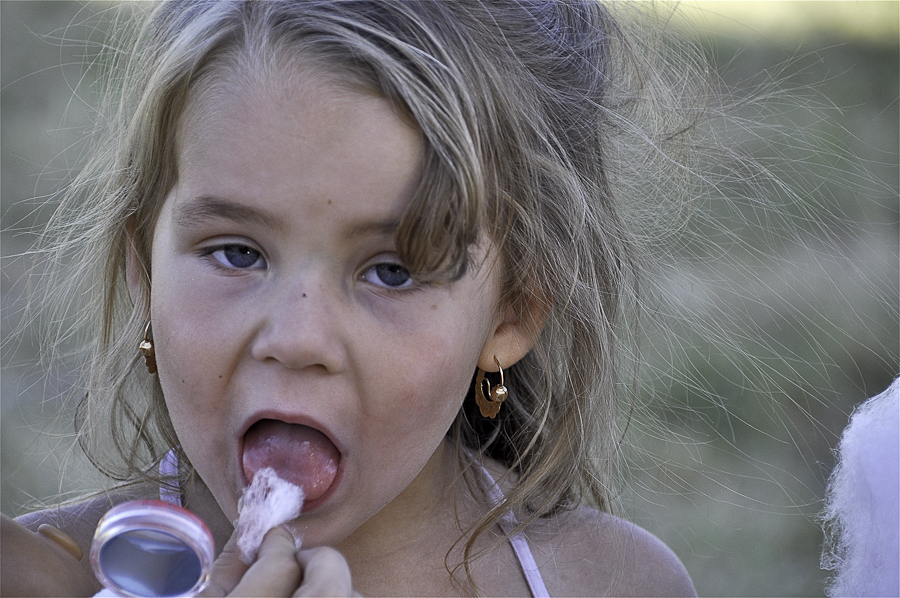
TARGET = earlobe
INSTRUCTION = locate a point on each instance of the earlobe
(513, 339)
(507, 345)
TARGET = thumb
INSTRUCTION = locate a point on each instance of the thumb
(228, 569)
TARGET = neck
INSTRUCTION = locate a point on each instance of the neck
(198, 499)
(406, 547)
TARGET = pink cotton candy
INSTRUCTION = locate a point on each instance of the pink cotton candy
(267, 502)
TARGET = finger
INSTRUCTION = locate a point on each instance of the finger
(276, 572)
(62, 539)
(325, 573)
(227, 570)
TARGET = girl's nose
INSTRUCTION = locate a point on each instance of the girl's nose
(301, 330)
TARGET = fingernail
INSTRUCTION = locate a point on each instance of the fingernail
(62, 539)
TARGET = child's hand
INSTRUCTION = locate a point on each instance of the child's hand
(35, 565)
(281, 570)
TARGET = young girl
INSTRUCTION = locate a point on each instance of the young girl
(341, 234)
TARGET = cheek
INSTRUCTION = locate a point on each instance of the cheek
(189, 359)
(421, 385)
(191, 340)
(194, 395)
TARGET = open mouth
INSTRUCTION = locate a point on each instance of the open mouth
(299, 454)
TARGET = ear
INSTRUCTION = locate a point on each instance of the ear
(133, 267)
(513, 337)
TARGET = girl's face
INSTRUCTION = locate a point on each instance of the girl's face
(277, 295)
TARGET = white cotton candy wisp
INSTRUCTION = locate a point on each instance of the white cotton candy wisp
(862, 516)
(266, 503)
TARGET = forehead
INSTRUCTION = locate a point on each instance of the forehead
(271, 77)
(296, 133)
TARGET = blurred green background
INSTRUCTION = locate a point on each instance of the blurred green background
(734, 477)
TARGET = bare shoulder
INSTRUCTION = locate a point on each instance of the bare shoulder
(588, 553)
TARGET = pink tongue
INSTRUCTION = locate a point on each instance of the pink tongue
(299, 454)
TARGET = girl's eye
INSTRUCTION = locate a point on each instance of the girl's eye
(239, 256)
(390, 275)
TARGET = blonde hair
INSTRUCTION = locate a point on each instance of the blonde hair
(548, 126)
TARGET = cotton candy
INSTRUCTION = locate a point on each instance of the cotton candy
(266, 503)
(862, 516)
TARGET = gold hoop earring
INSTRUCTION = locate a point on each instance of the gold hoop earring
(490, 407)
(147, 349)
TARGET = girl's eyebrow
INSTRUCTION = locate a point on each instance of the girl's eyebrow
(201, 209)
(373, 229)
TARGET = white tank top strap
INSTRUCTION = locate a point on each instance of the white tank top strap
(168, 471)
(518, 541)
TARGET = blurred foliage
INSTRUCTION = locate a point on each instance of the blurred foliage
(779, 317)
